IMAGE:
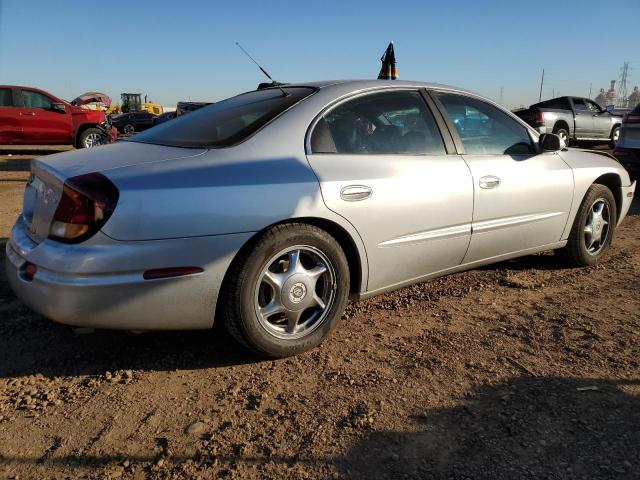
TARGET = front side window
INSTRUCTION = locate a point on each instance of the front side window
(393, 122)
(6, 99)
(224, 123)
(485, 129)
(593, 107)
(579, 104)
(35, 100)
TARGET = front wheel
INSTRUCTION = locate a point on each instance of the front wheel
(91, 137)
(593, 227)
(288, 292)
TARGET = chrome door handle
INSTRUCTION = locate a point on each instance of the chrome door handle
(489, 182)
(353, 193)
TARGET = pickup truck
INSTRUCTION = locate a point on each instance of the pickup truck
(30, 116)
(574, 119)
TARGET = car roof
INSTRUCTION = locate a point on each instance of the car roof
(359, 84)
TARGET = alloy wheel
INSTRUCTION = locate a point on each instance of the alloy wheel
(295, 292)
(597, 227)
(93, 140)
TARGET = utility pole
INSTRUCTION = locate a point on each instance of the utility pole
(553, 92)
(590, 86)
(622, 90)
(501, 92)
(541, 83)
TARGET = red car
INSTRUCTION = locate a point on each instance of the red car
(29, 116)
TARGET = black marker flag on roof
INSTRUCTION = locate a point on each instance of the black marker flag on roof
(388, 70)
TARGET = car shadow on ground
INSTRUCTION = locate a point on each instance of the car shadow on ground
(531, 427)
(31, 344)
(524, 428)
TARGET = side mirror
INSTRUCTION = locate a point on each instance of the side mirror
(58, 107)
(550, 142)
(609, 108)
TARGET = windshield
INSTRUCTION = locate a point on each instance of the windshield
(225, 123)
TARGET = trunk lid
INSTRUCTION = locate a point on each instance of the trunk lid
(48, 174)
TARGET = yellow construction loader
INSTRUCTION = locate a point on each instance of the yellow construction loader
(132, 102)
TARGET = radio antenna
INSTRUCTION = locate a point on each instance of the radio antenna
(284, 94)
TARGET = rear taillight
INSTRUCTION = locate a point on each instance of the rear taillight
(631, 118)
(87, 203)
(538, 119)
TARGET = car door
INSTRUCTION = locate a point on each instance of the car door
(601, 120)
(41, 123)
(10, 124)
(383, 164)
(522, 198)
(583, 118)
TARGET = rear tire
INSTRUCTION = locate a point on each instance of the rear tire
(615, 135)
(129, 129)
(563, 134)
(593, 227)
(278, 302)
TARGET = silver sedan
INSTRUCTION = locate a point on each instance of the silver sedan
(266, 211)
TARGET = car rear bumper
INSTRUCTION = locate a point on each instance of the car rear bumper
(629, 158)
(101, 285)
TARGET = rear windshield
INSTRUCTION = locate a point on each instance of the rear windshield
(637, 109)
(224, 123)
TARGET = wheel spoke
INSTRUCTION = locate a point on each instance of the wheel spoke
(319, 302)
(275, 281)
(588, 232)
(271, 308)
(294, 261)
(293, 316)
(317, 271)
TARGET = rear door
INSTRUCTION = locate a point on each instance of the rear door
(41, 123)
(384, 165)
(583, 118)
(10, 125)
(522, 198)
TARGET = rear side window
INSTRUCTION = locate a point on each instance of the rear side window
(485, 129)
(556, 103)
(637, 109)
(35, 100)
(6, 99)
(395, 122)
(225, 123)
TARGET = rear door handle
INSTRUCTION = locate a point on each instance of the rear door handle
(489, 181)
(354, 193)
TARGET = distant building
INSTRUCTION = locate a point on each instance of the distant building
(601, 99)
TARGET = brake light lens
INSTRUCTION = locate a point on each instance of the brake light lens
(538, 119)
(87, 203)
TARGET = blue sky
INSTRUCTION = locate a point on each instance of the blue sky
(186, 50)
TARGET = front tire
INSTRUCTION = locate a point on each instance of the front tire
(91, 137)
(593, 227)
(287, 293)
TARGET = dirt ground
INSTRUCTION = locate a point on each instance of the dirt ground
(527, 369)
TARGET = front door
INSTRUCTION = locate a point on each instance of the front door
(41, 123)
(583, 118)
(382, 165)
(602, 124)
(521, 198)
